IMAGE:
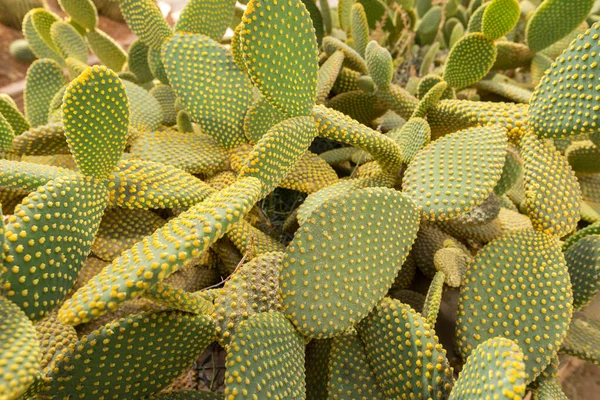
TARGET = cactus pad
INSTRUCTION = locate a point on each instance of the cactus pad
(206, 17)
(583, 340)
(583, 260)
(499, 18)
(9, 110)
(81, 11)
(470, 59)
(146, 21)
(44, 78)
(108, 51)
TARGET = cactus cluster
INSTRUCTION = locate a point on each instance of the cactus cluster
(326, 194)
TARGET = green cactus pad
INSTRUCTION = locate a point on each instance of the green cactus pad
(551, 188)
(191, 233)
(347, 80)
(394, 334)
(565, 103)
(113, 238)
(146, 184)
(352, 104)
(137, 61)
(555, 19)
(19, 351)
(379, 64)
(166, 97)
(316, 366)
(43, 140)
(350, 376)
(144, 111)
(156, 65)
(54, 338)
(44, 78)
(494, 370)
(6, 135)
(493, 301)
(430, 99)
(62, 218)
(145, 19)
(26, 176)
(206, 17)
(212, 88)
(412, 137)
(39, 45)
(470, 59)
(512, 55)
(260, 117)
(583, 340)
(348, 301)
(453, 262)
(253, 288)
(583, 157)
(253, 374)
(583, 260)
(593, 229)
(9, 110)
(499, 18)
(81, 11)
(276, 153)
(433, 300)
(429, 25)
(506, 90)
(108, 51)
(195, 153)
(291, 89)
(352, 59)
(359, 28)
(327, 75)
(511, 172)
(87, 370)
(96, 118)
(429, 179)
(175, 298)
(68, 41)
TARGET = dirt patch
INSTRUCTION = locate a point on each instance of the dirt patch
(583, 383)
(11, 70)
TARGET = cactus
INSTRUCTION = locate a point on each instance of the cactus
(277, 194)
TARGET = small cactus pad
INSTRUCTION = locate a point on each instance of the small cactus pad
(320, 299)
(283, 67)
(212, 88)
(260, 117)
(37, 44)
(359, 27)
(19, 351)
(456, 173)
(137, 61)
(96, 119)
(132, 345)
(81, 11)
(108, 51)
(565, 103)
(206, 17)
(494, 370)
(146, 21)
(44, 140)
(551, 188)
(68, 41)
(266, 359)
(44, 78)
(583, 260)
(278, 151)
(6, 135)
(583, 340)
(433, 300)
(511, 172)
(60, 218)
(593, 229)
(253, 288)
(453, 262)
(499, 18)
(494, 301)
(175, 298)
(350, 376)
(379, 64)
(327, 75)
(555, 19)
(394, 334)
(54, 337)
(583, 157)
(144, 111)
(9, 110)
(470, 59)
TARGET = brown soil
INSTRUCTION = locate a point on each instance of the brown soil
(10, 69)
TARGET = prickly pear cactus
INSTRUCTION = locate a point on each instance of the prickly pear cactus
(290, 195)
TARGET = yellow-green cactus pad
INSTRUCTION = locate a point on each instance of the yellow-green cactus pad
(350, 376)
(166, 97)
(347, 80)
(68, 41)
(109, 52)
(583, 260)
(352, 104)
(477, 154)
(175, 298)
(260, 117)
(91, 267)
(252, 289)
(555, 19)
(41, 46)
(493, 301)
(96, 118)
(328, 73)
(60, 218)
(114, 237)
(316, 366)
(495, 370)
(556, 49)
(210, 85)
(430, 99)
(506, 90)
(453, 262)
(511, 172)
(156, 65)
(133, 345)
(144, 111)
(266, 359)
(137, 61)
(163, 252)
(412, 137)
(283, 67)
(147, 184)
(26, 176)
(81, 11)
(429, 26)
(206, 17)
(19, 351)
(499, 18)
(44, 78)
(195, 153)
(433, 300)
(278, 151)
(145, 19)
(565, 103)
(9, 110)
(512, 55)
(430, 239)
(551, 188)
(593, 229)
(43, 140)
(54, 338)
(6, 135)
(583, 156)
(394, 334)
(359, 28)
(352, 59)
(470, 59)
(583, 340)
(345, 14)
(319, 299)
(481, 214)
(398, 100)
